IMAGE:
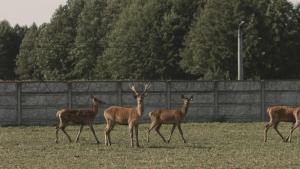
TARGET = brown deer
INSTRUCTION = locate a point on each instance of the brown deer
(126, 115)
(82, 117)
(282, 114)
(169, 116)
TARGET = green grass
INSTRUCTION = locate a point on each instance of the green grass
(209, 145)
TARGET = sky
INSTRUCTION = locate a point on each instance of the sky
(25, 12)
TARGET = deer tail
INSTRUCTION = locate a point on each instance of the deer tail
(153, 115)
(150, 114)
(268, 110)
(58, 116)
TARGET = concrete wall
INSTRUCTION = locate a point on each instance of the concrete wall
(236, 101)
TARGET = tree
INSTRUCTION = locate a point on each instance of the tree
(146, 40)
(211, 46)
(56, 41)
(88, 42)
(26, 59)
(94, 23)
(281, 19)
(10, 39)
(161, 39)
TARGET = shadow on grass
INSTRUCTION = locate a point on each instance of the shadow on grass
(197, 146)
(194, 146)
(161, 146)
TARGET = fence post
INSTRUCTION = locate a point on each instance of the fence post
(262, 100)
(119, 90)
(19, 106)
(69, 94)
(169, 94)
(216, 100)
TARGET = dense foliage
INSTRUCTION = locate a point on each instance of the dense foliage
(10, 40)
(155, 40)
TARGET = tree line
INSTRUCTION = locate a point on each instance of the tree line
(155, 40)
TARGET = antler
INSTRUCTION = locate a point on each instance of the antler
(146, 87)
(132, 87)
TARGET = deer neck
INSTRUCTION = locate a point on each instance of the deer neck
(184, 108)
(95, 108)
(140, 109)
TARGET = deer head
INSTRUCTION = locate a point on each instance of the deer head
(139, 96)
(186, 100)
(95, 100)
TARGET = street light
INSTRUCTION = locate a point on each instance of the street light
(240, 48)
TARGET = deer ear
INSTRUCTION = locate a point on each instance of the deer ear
(191, 98)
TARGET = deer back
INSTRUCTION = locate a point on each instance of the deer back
(166, 115)
(281, 113)
(76, 116)
(121, 115)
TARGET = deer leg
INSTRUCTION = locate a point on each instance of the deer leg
(157, 130)
(131, 134)
(180, 131)
(275, 128)
(296, 125)
(270, 124)
(77, 137)
(69, 138)
(152, 125)
(107, 133)
(172, 130)
(58, 126)
(110, 129)
(105, 137)
(93, 131)
(57, 130)
(137, 135)
(287, 138)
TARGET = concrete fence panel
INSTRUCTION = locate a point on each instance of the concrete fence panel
(236, 101)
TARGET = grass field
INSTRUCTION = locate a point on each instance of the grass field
(209, 145)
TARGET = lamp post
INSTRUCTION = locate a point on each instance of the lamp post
(240, 57)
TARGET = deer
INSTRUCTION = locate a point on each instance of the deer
(282, 114)
(81, 117)
(169, 116)
(126, 115)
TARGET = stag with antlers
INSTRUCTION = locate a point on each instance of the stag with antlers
(126, 116)
(82, 117)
